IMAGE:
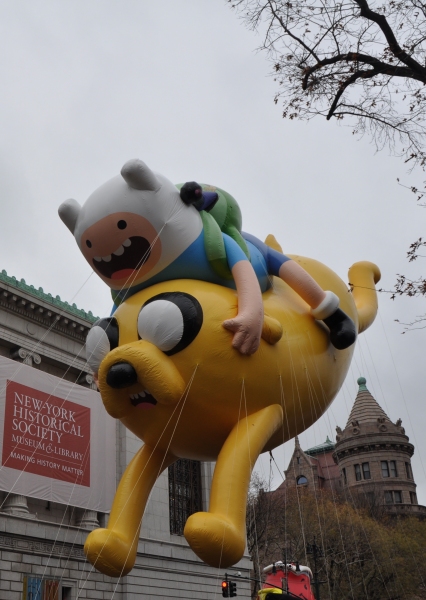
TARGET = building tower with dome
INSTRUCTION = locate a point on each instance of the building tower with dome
(371, 458)
(374, 456)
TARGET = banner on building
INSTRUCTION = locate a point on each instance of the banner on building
(57, 441)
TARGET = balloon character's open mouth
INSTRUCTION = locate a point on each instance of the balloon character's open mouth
(143, 400)
(130, 256)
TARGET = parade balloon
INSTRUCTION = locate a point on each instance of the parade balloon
(138, 230)
(167, 369)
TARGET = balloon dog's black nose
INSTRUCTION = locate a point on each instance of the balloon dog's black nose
(121, 375)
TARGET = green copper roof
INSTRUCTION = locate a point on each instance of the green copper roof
(327, 446)
(41, 295)
(361, 381)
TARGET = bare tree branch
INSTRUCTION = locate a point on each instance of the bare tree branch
(320, 51)
(390, 37)
(347, 83)
(290, 33)
(350, 61)
(356, 57)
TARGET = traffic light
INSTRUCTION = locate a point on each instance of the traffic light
(225, 589)
(232, 589)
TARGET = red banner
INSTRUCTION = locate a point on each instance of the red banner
(46, 435)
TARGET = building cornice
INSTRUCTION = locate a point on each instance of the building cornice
(40, 295)
(52, 313)
(370, 443)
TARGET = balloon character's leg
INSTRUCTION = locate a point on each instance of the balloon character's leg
(324, 305)
(113, 550)
(219, 536)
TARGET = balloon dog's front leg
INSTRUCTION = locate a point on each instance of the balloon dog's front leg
(113, 550)
(219, 536)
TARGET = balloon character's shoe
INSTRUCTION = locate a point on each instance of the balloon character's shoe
(342, 328)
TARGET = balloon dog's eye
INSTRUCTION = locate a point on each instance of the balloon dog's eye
(170, 321)
(101, 339)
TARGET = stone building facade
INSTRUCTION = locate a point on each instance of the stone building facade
(312, 469)
(374, 457)
(41, 543)
(371, 460)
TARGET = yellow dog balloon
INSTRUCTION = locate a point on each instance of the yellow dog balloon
(169, 372)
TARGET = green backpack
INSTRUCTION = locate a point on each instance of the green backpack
(225, 216)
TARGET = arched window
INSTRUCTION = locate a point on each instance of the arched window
(301, 480)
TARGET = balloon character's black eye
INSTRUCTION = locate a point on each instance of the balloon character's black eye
(121, 224)
(170, 321)
(88, 243)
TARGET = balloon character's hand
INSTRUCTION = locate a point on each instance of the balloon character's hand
(247, 331)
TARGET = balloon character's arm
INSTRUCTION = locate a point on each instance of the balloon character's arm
(247, 325)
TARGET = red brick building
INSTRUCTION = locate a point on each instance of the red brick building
(371, 457)
(314, 468)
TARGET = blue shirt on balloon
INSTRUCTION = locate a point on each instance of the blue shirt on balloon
(193, 264)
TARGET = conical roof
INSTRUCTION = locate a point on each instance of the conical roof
(365, 408)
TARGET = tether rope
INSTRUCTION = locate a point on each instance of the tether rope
(160, 470)
(184, 397)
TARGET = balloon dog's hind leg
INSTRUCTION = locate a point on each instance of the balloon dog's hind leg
(218, 537)
(113, 550)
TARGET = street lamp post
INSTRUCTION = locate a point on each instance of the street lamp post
(316, 552)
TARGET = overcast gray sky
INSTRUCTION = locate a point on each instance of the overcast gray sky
(86, 85)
